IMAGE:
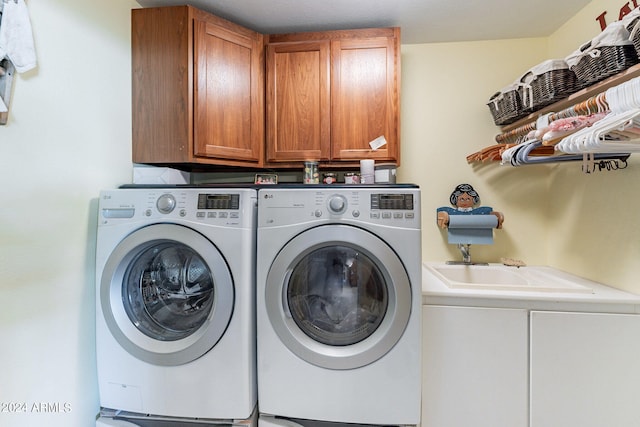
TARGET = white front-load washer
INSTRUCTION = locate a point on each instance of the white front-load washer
(175, 303)
(339, 304)
(116, 418)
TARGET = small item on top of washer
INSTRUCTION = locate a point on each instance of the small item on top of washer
(352, 178)
(385, 173)
(310, 173)
(329, 178)
(367, 171)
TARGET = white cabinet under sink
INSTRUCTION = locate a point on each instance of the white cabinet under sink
(475, 367)
(498, 367)
(529, 359)
(585, 369)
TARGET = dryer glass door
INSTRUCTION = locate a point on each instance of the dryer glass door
(166, 294)
(338, 296)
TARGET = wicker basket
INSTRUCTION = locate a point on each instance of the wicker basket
(607, 54)
(630, 23)
(611, 61)
(630, 18)
(634, 35)
(506, 105)
(526, 94)
(546, 83)
(553, 86)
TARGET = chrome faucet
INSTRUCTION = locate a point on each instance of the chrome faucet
(465, 249)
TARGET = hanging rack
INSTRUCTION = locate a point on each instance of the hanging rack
(593, 165)
(512, 135)
(595, 104)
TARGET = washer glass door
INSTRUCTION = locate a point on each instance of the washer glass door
(168, 291)
(166, 294)
(338, 296)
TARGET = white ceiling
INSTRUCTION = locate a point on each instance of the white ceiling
(421, 21)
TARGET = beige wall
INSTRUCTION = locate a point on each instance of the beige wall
(554, 214)
(583, 26)
(591, 220)
(445, 118)
(68, 136)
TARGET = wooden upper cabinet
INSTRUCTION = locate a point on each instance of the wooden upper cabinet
(298, 119)
(198, 89)
(330, 93)
(364, 98)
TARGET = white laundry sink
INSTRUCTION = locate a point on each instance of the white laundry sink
(500, 277)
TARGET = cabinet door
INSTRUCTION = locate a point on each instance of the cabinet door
(228, 105)
(365, 97)
(298, 102)
(585, 369)
(161, 85)
(475, 367)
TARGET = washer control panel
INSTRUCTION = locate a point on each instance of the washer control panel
(219, 206)
(337, 204)
(166, 203)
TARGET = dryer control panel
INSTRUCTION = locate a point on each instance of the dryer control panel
(402, 201)
(391, 206)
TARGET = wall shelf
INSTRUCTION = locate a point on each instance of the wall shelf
(523, 125)
(581, 95)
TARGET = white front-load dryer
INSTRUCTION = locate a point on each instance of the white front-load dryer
(175, 302)
(339, 305)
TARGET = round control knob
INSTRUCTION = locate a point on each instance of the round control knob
(166, 203)
(337, 204)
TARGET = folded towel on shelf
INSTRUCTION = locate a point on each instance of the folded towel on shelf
(16, 37)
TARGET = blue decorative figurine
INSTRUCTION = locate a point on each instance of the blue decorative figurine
(464, 199)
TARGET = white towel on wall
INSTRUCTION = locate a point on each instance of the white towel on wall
(16, 37)
(3, 106)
